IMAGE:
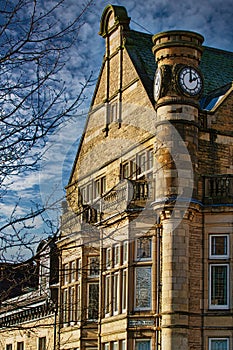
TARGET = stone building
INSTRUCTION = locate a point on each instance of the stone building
(150, 198)
(150, 193)
(29, 294)
(146, 241)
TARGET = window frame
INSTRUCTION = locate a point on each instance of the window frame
(227, 305)
(149, 307)
(90, 258)
(220, 256)
(141, 258)
(218, 339)
(40, 347)
(143, 340)
(107, 295)
(20, 345)
(115, 292)
(88, 301)
(124, 291)
(117, 254)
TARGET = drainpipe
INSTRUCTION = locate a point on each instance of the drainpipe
(158, 286)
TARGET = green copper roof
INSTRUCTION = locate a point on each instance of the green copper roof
(216, 65)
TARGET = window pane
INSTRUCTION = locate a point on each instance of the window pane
(42, 343)
(115, 291)
(93, 266)
(66, 273)
(144, 248)
(65, 306)
(143, 287)
(125, 252)
(20, 345)
(124, 290)
(115, 345)
(123, 345)
(72, 304)
(73, 271)
(107, 294)
(108, 257)
(219, 344)
(142, 344)
(78, 302)
(219, 245)
(9, 347)
(116, 254)
(219, 291)
(93, 301)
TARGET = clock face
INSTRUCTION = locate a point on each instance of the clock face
(157, 83)
(190, 81)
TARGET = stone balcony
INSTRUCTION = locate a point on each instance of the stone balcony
(218, 189)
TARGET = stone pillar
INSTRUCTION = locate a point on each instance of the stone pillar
(178, 55)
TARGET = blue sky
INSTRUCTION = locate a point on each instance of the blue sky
(212, 19)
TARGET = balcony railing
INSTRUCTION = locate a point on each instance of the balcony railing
(123, 195)
(218, 189)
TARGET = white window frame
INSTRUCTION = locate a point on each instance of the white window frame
(106, 346)
(218, 339)
(116, 293)
(108, 258)
(213, 306)
(137, 341)
(72, 306)
(115, 345)
(78, 302)
(65, 306)
(73, 271)
(123, 344)
(125, 252)
(107, 296)
(66, 273)
(124, 291)
(117, 254)
(215, 256)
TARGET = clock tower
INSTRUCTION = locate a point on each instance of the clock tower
(178, 85)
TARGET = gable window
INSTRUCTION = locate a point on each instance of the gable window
(143, 248)
(143, 288)
(218, 344)
(42, 343)
(219, 286)
(219, 246)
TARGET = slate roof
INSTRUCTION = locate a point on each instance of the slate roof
(216, 65)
